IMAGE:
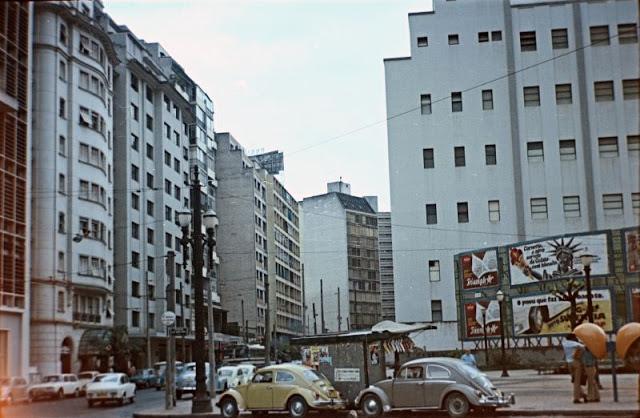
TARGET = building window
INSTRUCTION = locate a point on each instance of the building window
(434, 270)
(150, 151)
(604, 91)
(149, 94)
(456, 101)
(135, 230)
(423, 41)
(459, 156)
(571, 206)
(62, 108)
(599, 35)
(559, 39)
(628, 33)
(61, 222)
(490, 156)
(168, 240)
(135, 142)
(535, 152)
(168, 213)
(496, 35)
(61, 263)
(62, 145)
(567, 149)
(152, 319)
(612, 204)
(150, 264)
(135, 201)
(608, 147)
(483, 37)
(531, 96)
(62, 183)
(635, 203)
(135, 319)
(167, 159)
(167, 131)
(150, 123)
(425, 104)
(487, 99)
(539, 208)
(631, 89)
(432, 216)
(149, 208)
(167, 186)
(135, 259)
(135, 172)
(135, 289)
(150, 236)
(633, 144)
(60, 301)
(134, 82)
(135, 113)
(463, 212)
(563, 94)
(436, 310)
(62, 70)
(427, 158)
(62, 35)
(494, 211)
(453, 39)
(528, 41)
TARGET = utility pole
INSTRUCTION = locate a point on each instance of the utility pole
(267, 326)
(184, 347)
(315, 320)
(275, 344)
(146, 321)
(339, 316)
(322, 309)
(171, 346)
(212, 351)
(244, 326)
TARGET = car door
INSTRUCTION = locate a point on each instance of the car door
(407, 388)
(259, 392)
(438, 378)
(67, 385)
(21, 388)
(285, 383)
(240, 376)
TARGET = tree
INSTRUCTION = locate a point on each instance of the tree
(569, 293)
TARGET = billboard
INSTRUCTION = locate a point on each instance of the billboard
(632, 251)
(474, 321)
(479, 269)
(545, 314)
(557, 258)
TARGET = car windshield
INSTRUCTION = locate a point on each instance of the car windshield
(107, 378)
(85, 376)
(49, 379)
(189, 368)
(225, 372)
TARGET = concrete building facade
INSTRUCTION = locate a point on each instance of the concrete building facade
(15, 172)
(385, 254)
(340, 247)
(541, 138)
(72, 188)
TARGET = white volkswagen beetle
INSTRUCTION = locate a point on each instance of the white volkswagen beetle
(110, 387)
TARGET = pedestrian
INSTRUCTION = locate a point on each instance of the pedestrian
(469, 359)
(589, 361)
(573, 352)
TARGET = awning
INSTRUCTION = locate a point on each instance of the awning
(382, 331)
(95, 342)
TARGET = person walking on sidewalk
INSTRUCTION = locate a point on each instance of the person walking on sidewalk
(589, 361)
(573, 352)
(469, 359)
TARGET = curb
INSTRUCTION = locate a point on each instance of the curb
(174, 415)
(572, 413)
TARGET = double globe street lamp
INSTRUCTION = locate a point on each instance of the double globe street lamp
(201, 400)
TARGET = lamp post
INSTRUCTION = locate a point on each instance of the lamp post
(500, 297)
(586, 260)
(201, 401)
(483, 310)
(210, 221)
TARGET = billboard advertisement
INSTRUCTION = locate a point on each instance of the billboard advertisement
(479, 269)
(545, 314)
(557, 258)
(474, 321)
(632, 251)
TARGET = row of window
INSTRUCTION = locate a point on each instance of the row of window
(93, 192)
(92, 156)
(135, 262)
(93, 266)
(612, 205)
(599, 36)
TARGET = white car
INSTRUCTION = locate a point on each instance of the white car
(248, 370)
(110, 387)
(84, 378)
(233, 375)
(55, 386)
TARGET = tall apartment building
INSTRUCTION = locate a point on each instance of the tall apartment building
(15, 166)
(541, 137)
(72, 190)
(385, 254)
(259, 242)
(151, 165)
(340, 243)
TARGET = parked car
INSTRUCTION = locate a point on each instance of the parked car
(110, 387)
(55, 386)
(233, 375)
(283, 387)
(433, 383)
(144, 378)
(84, 378)
(13, 389)
(160, 369)
(186, 380)
(248, 370)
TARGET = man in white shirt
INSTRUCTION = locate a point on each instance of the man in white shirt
(573, 352)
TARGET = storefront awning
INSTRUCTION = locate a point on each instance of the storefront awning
(95, 342)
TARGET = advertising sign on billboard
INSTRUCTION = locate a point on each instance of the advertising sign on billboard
(479, 269)
(557, 258)
(634, 302)
(474, 321)
(545, 314)
(632, 251)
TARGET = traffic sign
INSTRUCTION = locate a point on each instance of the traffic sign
(179, 331)
(168, 318)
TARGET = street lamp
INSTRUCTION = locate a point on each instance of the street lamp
(500, 297)
(483, 310)
(586, 260)
(210, 221)
(201, 400)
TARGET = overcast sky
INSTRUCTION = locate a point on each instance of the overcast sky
(290, 75)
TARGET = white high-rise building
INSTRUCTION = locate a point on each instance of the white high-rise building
(525, 124)
(72, 190)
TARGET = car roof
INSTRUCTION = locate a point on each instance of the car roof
(449, 361)
(289, 367)
(111, 374)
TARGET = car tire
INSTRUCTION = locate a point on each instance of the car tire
(371, 405)
(76, 393)
(229, 407)
(297, 407)
(457, 405)
(121, 400)
(60, 394)
(178, 394)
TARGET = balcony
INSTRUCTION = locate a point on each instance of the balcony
(85, 317)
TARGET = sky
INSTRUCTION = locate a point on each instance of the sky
(291, 75)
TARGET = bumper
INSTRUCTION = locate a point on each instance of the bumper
(498, 401)
(43, 393)
(329, 404)
(98, 396)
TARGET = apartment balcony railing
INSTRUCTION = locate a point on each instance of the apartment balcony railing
(87, 317)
